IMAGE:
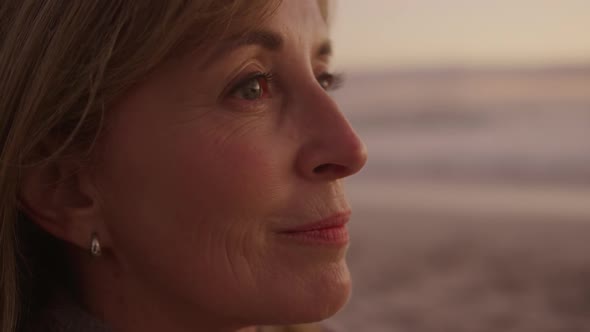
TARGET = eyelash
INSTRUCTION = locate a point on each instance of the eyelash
(335, 81)
(267, 76)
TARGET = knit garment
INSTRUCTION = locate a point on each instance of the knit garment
(64, 315)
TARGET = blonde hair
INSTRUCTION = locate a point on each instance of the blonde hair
(62, 63)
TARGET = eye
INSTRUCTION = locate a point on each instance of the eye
(330, 81)
(253, 87)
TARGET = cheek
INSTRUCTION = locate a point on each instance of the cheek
(238, 173)
(190, 210)
(205, 166)
(177, 191)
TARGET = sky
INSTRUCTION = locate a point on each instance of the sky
(374, 34)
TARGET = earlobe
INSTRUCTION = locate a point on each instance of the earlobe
(59, 197)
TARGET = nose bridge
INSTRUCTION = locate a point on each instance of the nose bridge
(331, 148)
(331, 125)
(320, 110)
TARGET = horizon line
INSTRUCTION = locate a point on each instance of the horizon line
(484, 67)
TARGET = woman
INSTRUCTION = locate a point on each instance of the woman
(170, 166)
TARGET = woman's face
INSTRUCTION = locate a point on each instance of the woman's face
(215, 169)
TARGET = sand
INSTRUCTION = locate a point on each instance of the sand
(467, 257)
(473, 213)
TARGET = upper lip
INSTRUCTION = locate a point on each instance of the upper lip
(336, 220)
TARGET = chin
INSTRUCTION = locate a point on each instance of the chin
(323, 295)
(329, 302)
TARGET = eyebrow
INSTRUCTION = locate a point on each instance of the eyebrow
(266, 39)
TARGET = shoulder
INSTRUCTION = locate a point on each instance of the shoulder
(62, 314)
(295, 328)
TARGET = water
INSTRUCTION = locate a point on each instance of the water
(506, 126)
(473, 213)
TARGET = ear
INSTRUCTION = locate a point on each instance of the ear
(61, 198)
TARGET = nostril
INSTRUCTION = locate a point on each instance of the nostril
(321, 169)
(330, 168)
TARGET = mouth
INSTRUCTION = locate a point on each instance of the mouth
(329, 231)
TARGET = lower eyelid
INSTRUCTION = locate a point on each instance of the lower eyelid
(248, 106)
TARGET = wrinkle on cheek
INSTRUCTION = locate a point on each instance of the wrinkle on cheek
(243, 132)
(242, 252)
(251, 159)
(191, 116)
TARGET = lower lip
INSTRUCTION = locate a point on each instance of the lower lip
(337, 235)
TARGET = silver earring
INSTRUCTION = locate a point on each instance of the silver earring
(95, 245)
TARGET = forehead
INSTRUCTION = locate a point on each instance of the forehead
(301, 18)
(294, 24)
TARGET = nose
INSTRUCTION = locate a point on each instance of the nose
(331, 148)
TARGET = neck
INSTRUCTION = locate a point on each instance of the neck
(127, 306)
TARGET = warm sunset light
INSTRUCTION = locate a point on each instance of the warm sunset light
(397, 33)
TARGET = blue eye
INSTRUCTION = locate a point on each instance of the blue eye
(253, 87)
(330, 81)
(250, 90)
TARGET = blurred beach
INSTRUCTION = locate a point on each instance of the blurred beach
(473, 212)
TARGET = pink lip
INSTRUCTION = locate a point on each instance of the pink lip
(331, 231)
